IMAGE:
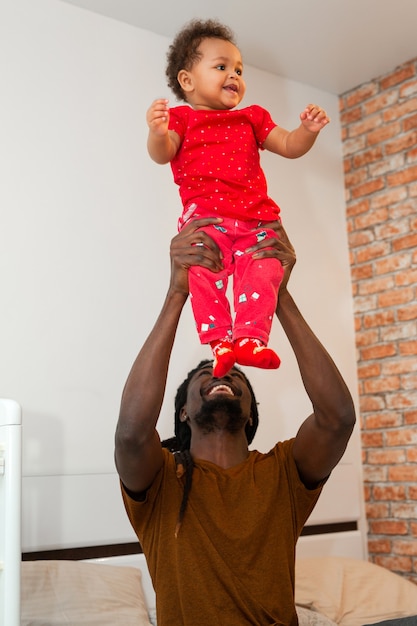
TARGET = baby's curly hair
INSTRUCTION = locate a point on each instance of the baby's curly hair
(183, 52)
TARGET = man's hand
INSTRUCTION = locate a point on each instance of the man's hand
(278, 247)
(193, 247)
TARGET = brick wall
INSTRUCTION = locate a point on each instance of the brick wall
(379, 126)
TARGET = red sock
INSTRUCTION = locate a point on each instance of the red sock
(224, 357)
(254, 352)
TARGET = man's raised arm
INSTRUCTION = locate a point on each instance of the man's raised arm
(138, 453)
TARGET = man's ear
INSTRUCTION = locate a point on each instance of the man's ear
(183, 415)
(185, 80)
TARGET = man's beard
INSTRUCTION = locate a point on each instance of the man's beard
(220, 413)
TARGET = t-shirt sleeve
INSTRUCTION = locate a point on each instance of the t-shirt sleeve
(304, 499)
(178, 120)
(139, 511)
(262, 123)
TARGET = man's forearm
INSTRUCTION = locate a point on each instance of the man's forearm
(323, 382)
(145, 387)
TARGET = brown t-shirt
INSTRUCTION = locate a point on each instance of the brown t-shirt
(232, 562)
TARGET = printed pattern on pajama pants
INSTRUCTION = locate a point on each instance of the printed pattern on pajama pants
(255, 285)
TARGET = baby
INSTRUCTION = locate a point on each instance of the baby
(213, 148)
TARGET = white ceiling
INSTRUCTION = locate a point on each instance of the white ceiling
(334, 45)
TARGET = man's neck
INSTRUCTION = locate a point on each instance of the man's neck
(223, 449)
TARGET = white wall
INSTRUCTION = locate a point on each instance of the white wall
(86, 221)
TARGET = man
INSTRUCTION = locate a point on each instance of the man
(219, 524)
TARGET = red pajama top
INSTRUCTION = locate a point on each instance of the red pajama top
(217, 166)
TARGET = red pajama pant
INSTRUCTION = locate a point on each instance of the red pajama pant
(255, 285)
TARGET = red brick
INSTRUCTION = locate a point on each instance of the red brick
(401, 109)
(408, 277)
(374, 473)
(388, 527)
(365, 125)
(410, 417)
(381, 318)
(405, 547)
(382, 232)
(410, 241)
(372, 439)
(389, 492)
(408, 347)
(403, 510)
(401, 366)
(373, 251)
(372, 217)
(352, 115)
(399, 76)
(360, 272)
(388, 198)
(386, 457)
(393, 228)
(401, 143)
(368, 188)
(351, 146)
(412, 455)
(376, 285)
(358, 208)
(356, 177)
(403, 437)
(377, 511)
(359, 95)
(393, 263)
(402, 177)
(395, 564)
(399, 401)
(361, 238)
(381, 385)
(395, 297)
(406, 474)
(408, 89)
(380, 546)
(411, 156)
(369, 156)
(378, 352)
(381, 101)
(371, 403)
(369, 370)
(409, 381)
(410, 122)
(365, 303)
(391, 164)
(382, 420)
(396, 332)
(367, 338)
(382, 134)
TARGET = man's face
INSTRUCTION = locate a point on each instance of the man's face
(218, 403)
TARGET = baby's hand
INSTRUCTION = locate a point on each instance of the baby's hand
(157, 116)
(314, 118)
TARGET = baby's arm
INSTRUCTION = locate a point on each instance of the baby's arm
(295, 143)
(162, 143)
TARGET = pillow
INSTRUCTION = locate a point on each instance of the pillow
(76, 593)
(352, 592)
(312, 618)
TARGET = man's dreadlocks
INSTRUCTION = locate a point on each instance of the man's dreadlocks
(179, 445)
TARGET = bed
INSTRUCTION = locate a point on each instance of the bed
(110, 584)
(118, 591)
